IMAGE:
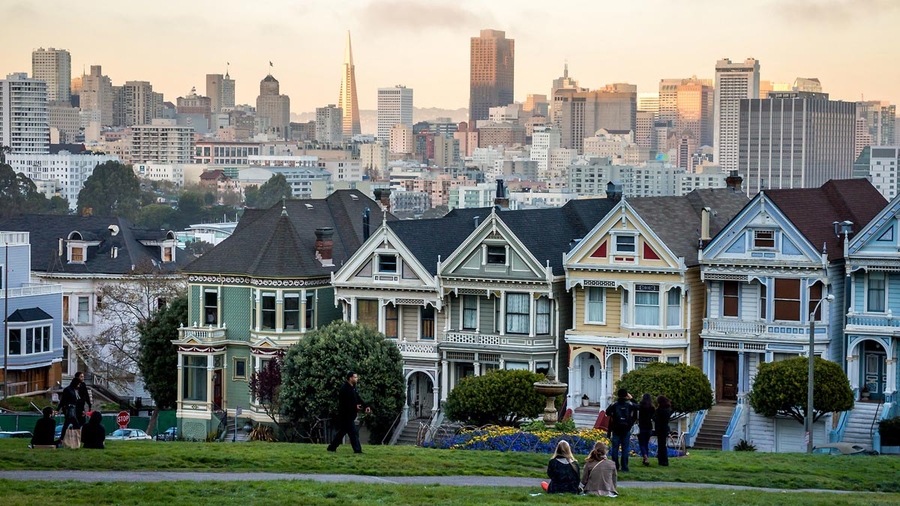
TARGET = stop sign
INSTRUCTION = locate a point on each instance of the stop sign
(122, 419)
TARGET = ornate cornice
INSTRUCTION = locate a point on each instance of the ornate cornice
(246, 280)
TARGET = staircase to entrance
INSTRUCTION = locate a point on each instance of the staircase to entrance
(586, 416)
(409, 435)
(714, 426)
(862, 423)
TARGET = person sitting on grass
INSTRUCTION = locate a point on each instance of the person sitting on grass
(600, 474)
(93, 435)
(563, 471)
(44, 429)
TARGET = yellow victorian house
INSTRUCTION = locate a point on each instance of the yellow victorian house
(636, 288)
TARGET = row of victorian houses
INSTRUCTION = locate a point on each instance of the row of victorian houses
(593, 289)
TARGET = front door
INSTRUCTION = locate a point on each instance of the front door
(874, 373)
(726, 376)
(590, 377)
(217, 388)
(420, 395)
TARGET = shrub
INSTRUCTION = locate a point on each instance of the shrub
(565, 425)
(501, 397)
(686, 386)
(745, 446)
(780, 388)
(890, 431)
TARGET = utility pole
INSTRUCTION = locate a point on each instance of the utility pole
(5, 277)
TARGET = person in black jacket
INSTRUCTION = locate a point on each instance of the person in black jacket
(72, 403)
(661, 421)
(44, 429)
(93, 435)
(645, 425)
(622, 415)
(563, 471)
(349, 404)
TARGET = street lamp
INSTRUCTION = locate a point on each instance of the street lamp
(812, 361)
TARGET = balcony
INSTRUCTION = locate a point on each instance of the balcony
(29, 290)
(418, 349)
(869, 323)
(203, 334)
(483, 341)
(777, 331)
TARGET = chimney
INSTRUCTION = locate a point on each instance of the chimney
(501, 200)
(383, 195)
(614, 191)
(476, 219)
(704, 226)
(734, 181)
(367, 231)
(324, 245)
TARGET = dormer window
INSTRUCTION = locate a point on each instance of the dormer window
(496, 255)
(626, 244)
(764, 239)
(387, 263)
(168, 254)
(77, 254)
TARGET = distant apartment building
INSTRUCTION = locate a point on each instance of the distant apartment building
(172, 172)
(795, 140)
(62, 174)
(876, 124)
(329, 124)
(437, 187)
(65, 123)
(24, 115)
(140, 105)
(54, 67)
(884, 163)
(374, 157)
(579, 114)
(616, 145)
(491, 73)
(590, 175)
(734, 82)
(649, 102)
(643, 128)
(536, 105)
(162, 141)
(97, 95)
(224, 153)
(500, 134)
(543, 140)
(395, 107)
(402, 140)
(446, 150)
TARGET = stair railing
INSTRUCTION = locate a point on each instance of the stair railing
(393, 431)
(732, 426)
(694, 429)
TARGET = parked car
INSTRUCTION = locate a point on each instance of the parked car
(129, 435)
(14, 434)
(843, 449)
(170, 434)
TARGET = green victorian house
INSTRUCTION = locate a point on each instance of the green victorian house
(259, 292)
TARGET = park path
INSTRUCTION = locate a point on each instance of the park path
(480, 481)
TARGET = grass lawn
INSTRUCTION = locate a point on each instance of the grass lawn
(298, 492)
(790, 471)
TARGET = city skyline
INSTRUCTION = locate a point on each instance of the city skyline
(175, 53)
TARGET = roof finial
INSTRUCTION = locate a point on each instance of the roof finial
(283, 207)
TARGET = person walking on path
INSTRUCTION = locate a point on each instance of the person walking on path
(349, 404)
(72, 403)
(563, 471)
(44, 429)
(93, 435)
(661, 421)
(622, 414)
(600, 476)
(645, 426)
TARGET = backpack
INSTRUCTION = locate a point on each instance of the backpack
(622, 415)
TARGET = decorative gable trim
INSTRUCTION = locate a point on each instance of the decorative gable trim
(362, 268)
(866, 235)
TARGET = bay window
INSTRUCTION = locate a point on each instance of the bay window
(292, 311)
(268, 311)
(875, 293)
(646, 305)
(193, 371)
(594, 306)
(542, 316)
(787, 299)
(470, 312)
(517, 313)
(673, 308)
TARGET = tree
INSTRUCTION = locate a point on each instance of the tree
(18, 194)
(122, 305)
(209, 199)
(197, 247)
(273, 190)
(316, 367)
(502, 397)
(265, 386)
(58, 205)
(156, 216)
(112, 190)
(158, 358)
(780, 388)
(685, 386)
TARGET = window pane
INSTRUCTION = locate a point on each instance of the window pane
(646, 308)
(517, 313)
(387, 263)
(762, 302)
(268, 311)
(542, 316)
(390, 321)
(292, 312)
(595, 304)
(194, 372)
(730, 298)
(29, 341)
(15, 341)
(367, 312)
(787, 299)
(875, 296)
(470, 312)
(496, 255)
(310, 310)
(83, 308)
(210, 307)
(428, 322)
(625, 244)
(673, 311)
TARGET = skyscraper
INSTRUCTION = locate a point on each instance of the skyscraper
(734, 82)
(329, 124)
(876, 123)
(491, 74)
(97, 95)
(273, 105)
(53, 66)
(220, 90)
(795, 139)
(579, 114)
(347, 101)
(395, 107)
(24, 115)
(140, 104)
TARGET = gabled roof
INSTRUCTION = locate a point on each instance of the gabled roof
(268, 244)
(33, 314)
(814, 210)
(47, 230)
(677, 220)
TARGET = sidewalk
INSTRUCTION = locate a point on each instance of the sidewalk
(459, 481)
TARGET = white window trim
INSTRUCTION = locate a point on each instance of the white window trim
(587, 300)
(22, 327)
(866, 294)
(462, 313)
(615, 244)
(394, 254)
(722, 300)
(660, 302)
(90, 309)
(680, 323)
(775, 239)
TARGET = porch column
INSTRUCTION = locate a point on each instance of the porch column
(381, 315)
(303, 311)
(741, 365)
(353, 310)
(434, 398)
(180, 387)
(532, 307)
(853, 366)
(445, 380)
(210, 384)
(709, 364)
(891, 372)
(503, 313)
(604, 374)
(477, 367)
(574, 387)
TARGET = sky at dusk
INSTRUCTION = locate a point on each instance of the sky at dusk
(852, 46)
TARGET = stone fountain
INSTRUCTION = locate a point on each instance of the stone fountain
(550, 388)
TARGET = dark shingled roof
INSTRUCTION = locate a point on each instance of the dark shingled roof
(33, 314)
(45, 231)
(814, 210)
(267, 244)
(676, 220)
(546, 233)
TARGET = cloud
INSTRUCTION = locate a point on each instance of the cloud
(21, 11)
(834, 11)
(421, 15)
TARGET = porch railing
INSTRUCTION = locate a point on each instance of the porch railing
(773, 330)
(870, 320)
(205, 334)
(476, 339)
(417, 348)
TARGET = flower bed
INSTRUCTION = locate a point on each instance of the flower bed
(510, 439)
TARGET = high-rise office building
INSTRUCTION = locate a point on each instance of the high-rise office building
(648, 102)
(795, 139)
(140, 104)
(347, 101)
(220, 90)
(876, 123)
(810, 84)
(579, 114)
(395, 107)
(24, 114)
(694, 103)
(97, 95)
(537, 105)
(53, 66)
(329, 124)
(274, 106)
(491, 74)
(734, 82)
